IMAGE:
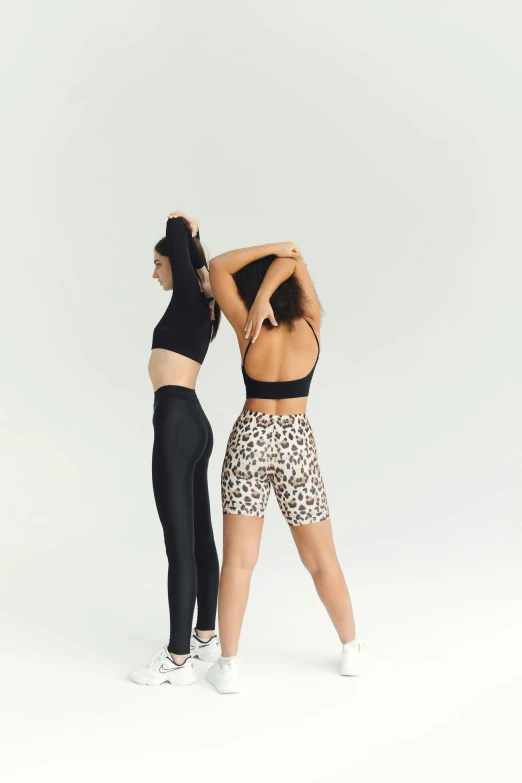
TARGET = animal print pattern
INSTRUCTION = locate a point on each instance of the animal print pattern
(273, 450)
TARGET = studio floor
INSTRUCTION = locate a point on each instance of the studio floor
(439, 703)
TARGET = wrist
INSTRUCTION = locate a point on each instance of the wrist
(262, 295)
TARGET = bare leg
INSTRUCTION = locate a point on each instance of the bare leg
(241, 539)
(317, 551)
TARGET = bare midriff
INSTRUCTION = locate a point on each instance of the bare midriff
(277, 407)
(167, 368)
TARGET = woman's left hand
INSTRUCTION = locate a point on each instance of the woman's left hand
(192, 222)
(259, 312)
(288, 250)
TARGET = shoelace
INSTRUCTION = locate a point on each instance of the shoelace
(161, 655)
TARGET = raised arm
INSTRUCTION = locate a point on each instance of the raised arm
(184, 259)
(223, 267)
(279, 271)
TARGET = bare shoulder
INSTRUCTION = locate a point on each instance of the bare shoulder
(227, 296)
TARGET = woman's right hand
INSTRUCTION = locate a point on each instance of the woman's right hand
(258, 313)
(288, 250)
(191, 222)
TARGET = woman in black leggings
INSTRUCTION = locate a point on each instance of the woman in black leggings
(182, 448)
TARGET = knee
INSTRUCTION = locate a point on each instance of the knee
(205, 550)
(316, 566)
(179, 552)
(240, 561)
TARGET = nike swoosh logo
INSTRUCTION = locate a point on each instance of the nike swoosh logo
(166, 671)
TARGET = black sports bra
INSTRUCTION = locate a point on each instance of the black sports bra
(279, 390)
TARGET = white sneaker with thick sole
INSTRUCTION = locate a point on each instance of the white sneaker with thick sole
(224, 675)
(163, 669)
(208, 650)
(355, 660)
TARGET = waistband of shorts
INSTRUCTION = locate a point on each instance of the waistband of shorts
(275, 418)
(178, 392)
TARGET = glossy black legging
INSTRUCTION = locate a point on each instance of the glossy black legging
(182, 447)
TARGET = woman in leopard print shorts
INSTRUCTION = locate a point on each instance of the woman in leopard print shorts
(266, 292)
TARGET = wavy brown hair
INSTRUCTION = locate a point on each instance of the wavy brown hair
(288, 301)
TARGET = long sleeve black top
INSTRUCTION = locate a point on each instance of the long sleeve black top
(186, 325)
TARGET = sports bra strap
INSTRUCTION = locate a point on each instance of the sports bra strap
(316, 340)
(247, 350)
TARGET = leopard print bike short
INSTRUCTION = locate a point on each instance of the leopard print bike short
(267, 450)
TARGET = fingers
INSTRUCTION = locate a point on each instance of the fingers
(248, 327)
(192, 222)
(272, 319)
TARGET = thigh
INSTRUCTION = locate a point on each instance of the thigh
(179, 442)
(180, 435)
(202, 513)
(315, 544)
(298, 482)
(209, 436)
(241, 540)
(245, 475)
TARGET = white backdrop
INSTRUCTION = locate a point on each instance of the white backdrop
(384, 138)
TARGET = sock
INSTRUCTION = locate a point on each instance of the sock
(354, 644)
(228, 658)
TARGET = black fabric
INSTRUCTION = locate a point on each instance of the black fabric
(279, 390)
(183, 443)
(186, 325)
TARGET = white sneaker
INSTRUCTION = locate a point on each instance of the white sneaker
(208, 650)
(163, 669)
(224, 675)
(354, 661)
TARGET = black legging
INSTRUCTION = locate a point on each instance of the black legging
(182, 447)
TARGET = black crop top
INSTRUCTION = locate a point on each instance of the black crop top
(279, 390)
(186, 326)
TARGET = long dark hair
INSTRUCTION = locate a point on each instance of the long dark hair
(161, 247)
(288, 301)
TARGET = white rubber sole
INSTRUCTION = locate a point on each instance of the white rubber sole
(353, 663)
(188, 677)
(231, 686)
(347, 670)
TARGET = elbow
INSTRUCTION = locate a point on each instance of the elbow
(217, 265)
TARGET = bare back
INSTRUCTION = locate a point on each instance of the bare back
(284, 353)
(280, 354)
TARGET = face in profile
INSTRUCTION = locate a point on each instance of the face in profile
(162, 271)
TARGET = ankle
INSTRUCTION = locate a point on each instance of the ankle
(224, 658)
(179, 660)
(204, 635)
(227, 654)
